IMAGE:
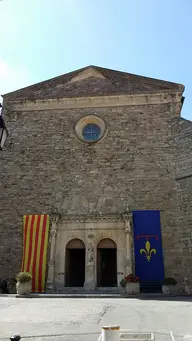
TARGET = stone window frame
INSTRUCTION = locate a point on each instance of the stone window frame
(87, 119)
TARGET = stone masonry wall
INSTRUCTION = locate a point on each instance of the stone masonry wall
(45, 167)
(182, 139)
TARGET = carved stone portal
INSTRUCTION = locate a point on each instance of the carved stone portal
(91, 228)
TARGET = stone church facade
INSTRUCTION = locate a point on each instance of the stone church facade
(89, 148)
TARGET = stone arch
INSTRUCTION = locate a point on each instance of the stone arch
(106, 263)
(75, 263)
(106, 243)
(75, 243)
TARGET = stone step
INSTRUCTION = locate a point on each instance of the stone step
(96, 294)
(72, 295)
(81, 290)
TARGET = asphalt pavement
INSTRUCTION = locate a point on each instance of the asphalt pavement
(72, 319)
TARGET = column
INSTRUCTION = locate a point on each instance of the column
(51, 263)
(129, 265)
(90, 260)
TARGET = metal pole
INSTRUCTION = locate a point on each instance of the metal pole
(110, 333)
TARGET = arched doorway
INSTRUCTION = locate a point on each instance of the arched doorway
(106, 263)
(75, 263)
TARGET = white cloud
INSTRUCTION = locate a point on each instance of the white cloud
(12, 77)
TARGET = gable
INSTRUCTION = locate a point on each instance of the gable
(93, 81)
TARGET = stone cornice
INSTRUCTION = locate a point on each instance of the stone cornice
(92, 218)
(96, 102)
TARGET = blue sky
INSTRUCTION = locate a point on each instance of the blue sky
(41, 39)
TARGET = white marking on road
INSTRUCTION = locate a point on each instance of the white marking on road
(172, 336)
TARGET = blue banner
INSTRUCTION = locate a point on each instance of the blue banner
(149, 265)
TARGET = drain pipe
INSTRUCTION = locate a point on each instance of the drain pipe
(110, 333)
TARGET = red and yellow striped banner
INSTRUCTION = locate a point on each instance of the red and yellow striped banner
(35, 242)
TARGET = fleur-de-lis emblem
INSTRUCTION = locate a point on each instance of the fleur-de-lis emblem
(148, 251)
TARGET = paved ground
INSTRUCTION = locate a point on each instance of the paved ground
(64, 319)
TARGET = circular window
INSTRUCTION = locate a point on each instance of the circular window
(91, 132)
(90, 128)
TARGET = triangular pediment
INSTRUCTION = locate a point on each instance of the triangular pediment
(93, 81)
(87, 73)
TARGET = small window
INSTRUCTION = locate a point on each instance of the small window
(90, 128)
(91, 132)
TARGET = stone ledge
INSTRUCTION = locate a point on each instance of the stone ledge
(97, 101)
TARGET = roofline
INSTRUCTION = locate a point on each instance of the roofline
(47, 80)
(140, 76)
(180, 86)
